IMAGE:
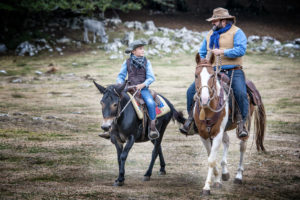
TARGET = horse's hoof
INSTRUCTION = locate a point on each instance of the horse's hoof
(162, 173)
(118, 183)
(237, 181)
(218, 185)
(146, 178)
(206, 192)
(225, 177)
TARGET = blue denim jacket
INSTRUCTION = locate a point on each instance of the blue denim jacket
(150, 78)
(238, 50)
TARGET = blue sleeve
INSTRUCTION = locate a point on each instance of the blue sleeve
(123, 73)
(150, 78)
(239, 45)
(203, 49)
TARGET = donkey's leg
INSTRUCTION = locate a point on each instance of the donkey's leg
(225, 173)
(153, 158)
(212, 162)
(94, 39)
(157, 151)
(239, 175)
(123, 157)
(85, 36)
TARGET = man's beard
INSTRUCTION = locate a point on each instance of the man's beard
(215, 27)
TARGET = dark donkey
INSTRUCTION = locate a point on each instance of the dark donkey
(126, 127)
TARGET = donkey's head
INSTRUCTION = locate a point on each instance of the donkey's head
(110, 103)
(205, 80)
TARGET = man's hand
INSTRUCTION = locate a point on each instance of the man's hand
(140, 86)
(218, 51)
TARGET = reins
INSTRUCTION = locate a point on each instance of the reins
(119, 103)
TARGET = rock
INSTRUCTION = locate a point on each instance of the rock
(135, 24)
(25, 48)
(253, 38)
(3, 48)
(128, 38)
(38, 72)
(58, 49)
(113, 22)
(150, 26)
(18, 80)
(3, 72)
(153, 52)
(75, 64)
(297, 41)
(63, 40)
(289, 45)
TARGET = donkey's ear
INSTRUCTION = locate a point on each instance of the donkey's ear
(120, 87)
(100, 88)
(197, 58)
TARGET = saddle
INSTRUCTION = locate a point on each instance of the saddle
(141, 110)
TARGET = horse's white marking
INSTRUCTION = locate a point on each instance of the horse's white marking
(204, 75)
(212, 167)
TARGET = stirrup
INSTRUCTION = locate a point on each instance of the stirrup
(153, 135)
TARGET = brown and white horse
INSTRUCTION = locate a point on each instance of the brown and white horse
(211, 113)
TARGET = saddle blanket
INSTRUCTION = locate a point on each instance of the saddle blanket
(160, 109)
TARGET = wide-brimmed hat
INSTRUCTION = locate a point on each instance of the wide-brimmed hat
(221, 13)
(135, 44)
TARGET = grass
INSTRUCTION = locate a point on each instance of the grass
(67, 160)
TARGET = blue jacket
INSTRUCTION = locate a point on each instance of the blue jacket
(238, 50)
(150, 78)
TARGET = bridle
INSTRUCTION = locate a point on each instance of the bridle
(213, 89)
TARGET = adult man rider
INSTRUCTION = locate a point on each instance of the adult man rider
(228, 41)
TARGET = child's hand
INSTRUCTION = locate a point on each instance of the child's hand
(140, 86)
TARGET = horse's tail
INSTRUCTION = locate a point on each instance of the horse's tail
(260, 126)
(176, 115)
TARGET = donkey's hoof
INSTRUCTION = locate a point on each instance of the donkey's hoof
(118, 183)
(206, 192)
(237, 181)
(161, 173)
(225, 177)
(146, 178)
(217, 185)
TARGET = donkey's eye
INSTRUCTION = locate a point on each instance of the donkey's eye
(196, 76)
(115, 105)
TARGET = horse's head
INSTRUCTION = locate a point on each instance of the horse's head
(110, 103)
(205, 80)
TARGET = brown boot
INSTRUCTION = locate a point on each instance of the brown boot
(105, 135)
(154, 134)
(243, 132)
(185, 129)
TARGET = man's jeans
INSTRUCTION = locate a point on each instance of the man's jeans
(239, 90)
(146, 95)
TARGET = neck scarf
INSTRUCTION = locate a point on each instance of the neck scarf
(214, 38)
(137, 62)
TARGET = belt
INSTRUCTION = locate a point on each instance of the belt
(235, 68)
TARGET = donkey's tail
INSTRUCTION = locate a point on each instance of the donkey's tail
(260, 126)
(176, 115)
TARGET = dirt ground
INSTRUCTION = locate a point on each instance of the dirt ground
(49, 125)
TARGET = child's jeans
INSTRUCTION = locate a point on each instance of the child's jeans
(146, 95)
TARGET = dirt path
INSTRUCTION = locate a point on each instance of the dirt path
(49, 146)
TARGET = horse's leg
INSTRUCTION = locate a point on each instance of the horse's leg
(225, 173)
(123, 156)
(239, 175)
(212, 163)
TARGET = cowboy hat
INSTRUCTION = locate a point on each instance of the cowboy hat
(135, 44)
(220, 13)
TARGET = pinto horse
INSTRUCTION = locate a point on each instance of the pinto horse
(211, 114)
(127, 127)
